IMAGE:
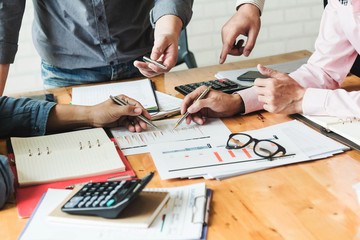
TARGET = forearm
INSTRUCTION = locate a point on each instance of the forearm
(4, 70)
(66, 117)
(168, 25)
(181, 9)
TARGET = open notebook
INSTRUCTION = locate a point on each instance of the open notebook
(140, 90)
(344, 130)
(65, 156)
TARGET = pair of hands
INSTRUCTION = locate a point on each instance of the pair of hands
(246, 21)
(280, 94)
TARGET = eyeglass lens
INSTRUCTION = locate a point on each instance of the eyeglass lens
(263, 148)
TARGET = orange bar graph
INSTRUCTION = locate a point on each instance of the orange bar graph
(218, 156)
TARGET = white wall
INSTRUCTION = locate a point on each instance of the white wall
(287, 25)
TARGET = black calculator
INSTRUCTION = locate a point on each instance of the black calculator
(223, 85)
(105, 199)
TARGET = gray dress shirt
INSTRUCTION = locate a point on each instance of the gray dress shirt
(83, 34)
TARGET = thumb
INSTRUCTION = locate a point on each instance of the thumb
(128, 111)
(269, 72)
(158, 49)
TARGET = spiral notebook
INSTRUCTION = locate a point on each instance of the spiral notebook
(65, 156)
(344, 130)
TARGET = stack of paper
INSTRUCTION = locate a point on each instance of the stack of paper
(209, 159)
(135, 143)
(181, 218)
(168, 106)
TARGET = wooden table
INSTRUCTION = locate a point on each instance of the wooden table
(313, 200)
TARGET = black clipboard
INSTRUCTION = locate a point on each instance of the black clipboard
(326, 132)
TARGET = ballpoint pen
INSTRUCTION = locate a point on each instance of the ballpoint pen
(123, 103)
(187, 113)
(149, 60)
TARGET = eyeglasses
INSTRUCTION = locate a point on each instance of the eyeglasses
(263, 147)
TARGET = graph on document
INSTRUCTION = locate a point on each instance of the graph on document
(133, 140)
(134, 143)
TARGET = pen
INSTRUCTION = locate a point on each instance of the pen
(149, 60)
(77, 184)
(112, 179)
(187, 113)
(123, 103)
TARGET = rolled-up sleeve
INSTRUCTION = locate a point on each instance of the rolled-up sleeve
(23, 117)
(258, 3)
(179, 8)
(11, 13)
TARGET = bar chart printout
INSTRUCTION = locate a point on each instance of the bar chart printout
(135, 143)
(203, 158)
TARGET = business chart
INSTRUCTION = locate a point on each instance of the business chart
(135, 143)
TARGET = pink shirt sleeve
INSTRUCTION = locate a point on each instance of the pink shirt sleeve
(327, 68)
(335, 53)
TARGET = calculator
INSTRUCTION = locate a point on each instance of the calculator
(105, 199)
(223, 85)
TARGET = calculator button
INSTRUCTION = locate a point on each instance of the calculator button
(110, 202)
(102, 203)
(70, 204)
(81, 204)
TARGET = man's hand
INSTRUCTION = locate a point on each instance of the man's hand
(214, 104)
(279, 93)
(106, 114)
(109, 114)
(246, 21)
(165, 49)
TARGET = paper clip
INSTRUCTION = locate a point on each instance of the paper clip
(39, 153)
(89, 144)
(98, 142)
(194, 209)
(81, 147)
(30, 154)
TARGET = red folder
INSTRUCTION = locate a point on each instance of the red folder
(28, 197)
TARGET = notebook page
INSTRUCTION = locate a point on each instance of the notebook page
(167, 104)
(140, 90)
(349, 130)
(64, 156)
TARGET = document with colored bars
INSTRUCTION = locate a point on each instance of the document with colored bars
(135, 143)
(208, 159)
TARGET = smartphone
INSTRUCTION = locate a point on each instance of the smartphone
(250, 76)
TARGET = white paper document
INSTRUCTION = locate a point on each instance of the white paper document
(135, 143)
(168, 106)
(181, 218)
(202, 157)
(140, 90)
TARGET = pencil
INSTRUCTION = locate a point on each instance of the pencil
(187, 113)
(123, 103)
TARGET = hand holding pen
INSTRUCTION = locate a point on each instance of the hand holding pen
(186, 114)
(121, 102)
(214, 104)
